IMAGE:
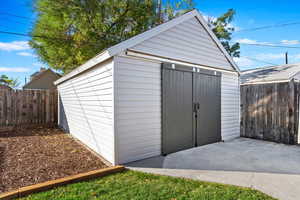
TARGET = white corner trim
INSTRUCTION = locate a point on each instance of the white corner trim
(153, 58)
(114, 100)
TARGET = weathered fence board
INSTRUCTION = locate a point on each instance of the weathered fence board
(27, 107)
(270, 111)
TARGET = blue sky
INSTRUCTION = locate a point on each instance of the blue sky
(18, 60)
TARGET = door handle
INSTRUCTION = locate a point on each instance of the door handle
(196, 107)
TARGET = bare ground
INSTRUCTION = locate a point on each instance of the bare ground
(34, 155)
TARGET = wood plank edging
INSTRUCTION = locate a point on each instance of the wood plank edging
(24, 191)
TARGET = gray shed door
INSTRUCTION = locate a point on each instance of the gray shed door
(191, 108)
(177, 110)
(207, 97)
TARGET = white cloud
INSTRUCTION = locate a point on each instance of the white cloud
(36, 64)
(14, 69)
(247, 41)
(14, 46)
(26, 54)
(242, 61)
(295, 57)
(284, 42)
(270, 56)
(208, 19)
(232, 25)
(290, 42)
(277, 57)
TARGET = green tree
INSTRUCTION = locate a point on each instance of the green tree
(223, 29)
(172, 9)
(69, 32)
(5, 80)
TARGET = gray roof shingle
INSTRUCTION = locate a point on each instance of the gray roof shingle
(273, 73)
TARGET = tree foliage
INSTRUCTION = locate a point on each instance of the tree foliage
(11, 82)
(69, 32)
(223, 29)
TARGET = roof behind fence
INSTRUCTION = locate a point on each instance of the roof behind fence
(271, 74)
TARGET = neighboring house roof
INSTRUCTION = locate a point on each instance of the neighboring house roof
(279, 73)
(43, 79)
(5, 87)
(127, 44)
(35, 73)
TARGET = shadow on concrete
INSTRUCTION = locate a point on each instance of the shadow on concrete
(238, 155)
(154, 162)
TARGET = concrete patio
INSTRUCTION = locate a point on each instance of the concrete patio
(269, 167)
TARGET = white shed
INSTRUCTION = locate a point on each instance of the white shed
(170, 88)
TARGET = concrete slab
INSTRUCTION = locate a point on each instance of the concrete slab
(269, 167)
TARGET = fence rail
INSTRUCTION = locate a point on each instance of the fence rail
(27, 107)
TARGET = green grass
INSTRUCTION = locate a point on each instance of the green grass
(136, 185)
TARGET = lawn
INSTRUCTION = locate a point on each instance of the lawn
(137, 185)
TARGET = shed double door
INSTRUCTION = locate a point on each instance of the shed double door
(191, 108)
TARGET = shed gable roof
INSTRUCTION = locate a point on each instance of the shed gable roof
(188, 42)
(131, 42)
(270, 74)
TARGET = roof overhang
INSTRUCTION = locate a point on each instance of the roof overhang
(149, 57)
(89, 64)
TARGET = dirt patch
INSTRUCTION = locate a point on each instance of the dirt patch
(34, 155)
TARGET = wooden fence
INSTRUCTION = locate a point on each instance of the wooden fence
(27, 107)
(270, 111)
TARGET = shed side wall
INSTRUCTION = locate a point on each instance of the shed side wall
(230, 106)
(137, 109)
(87, 108)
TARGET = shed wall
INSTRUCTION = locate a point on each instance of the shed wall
(86, 108)
(188, 42)
(137, 109)
(230, 106)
